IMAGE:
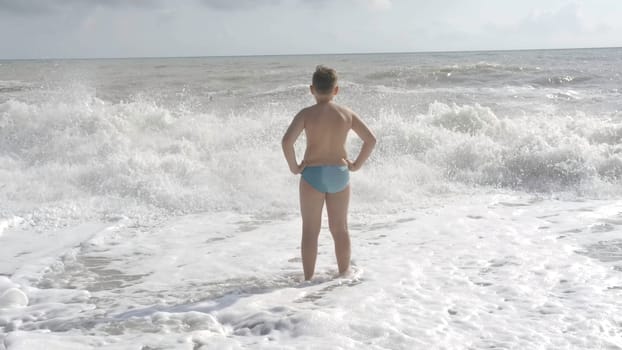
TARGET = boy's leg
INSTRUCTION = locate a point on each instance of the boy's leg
(337, 208)
(311, 205)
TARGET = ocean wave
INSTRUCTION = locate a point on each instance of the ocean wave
(81, 156)
(557, 80)
(10, 86)
(470, 144)
(91, 157)
(611, 135)
(466, 119)
(471, 73)
(485, 67)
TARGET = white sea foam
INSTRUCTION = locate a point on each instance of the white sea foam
(93, 157)
(8, 223)
(501, 271)
(13, 297)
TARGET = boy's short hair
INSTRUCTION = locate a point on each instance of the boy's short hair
(324, 79)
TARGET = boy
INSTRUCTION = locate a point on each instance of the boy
(325, 167)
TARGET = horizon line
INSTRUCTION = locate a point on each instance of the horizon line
(310, 54)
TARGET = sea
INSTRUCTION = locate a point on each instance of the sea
(145, 204)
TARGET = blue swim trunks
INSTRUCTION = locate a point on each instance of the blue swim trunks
(327, 178)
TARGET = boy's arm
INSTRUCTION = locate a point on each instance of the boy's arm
(369, 141)
(292, 133)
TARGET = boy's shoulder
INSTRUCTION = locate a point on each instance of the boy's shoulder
(307, 109)
(312, 108)
(344, 110)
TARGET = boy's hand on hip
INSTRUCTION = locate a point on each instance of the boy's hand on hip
(298, 169)
(352, 165)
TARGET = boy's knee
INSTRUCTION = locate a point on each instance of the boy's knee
(337, 227)
(339, 232)
(310, 231)
(309, 238)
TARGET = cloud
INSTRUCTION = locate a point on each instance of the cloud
(567, 19)
(565, 26)
(240, 4)
(38, 7)
(378, 5)
(26, 6)
(50, 6)
(229, 5)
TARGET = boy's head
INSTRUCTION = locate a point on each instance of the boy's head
(324, 81)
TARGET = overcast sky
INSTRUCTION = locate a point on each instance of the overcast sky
(131, 28)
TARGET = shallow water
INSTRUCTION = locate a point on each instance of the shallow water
(496, 272)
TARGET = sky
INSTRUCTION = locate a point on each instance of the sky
(34, 29)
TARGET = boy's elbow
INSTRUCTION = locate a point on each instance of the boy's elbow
(372, 140)
(286, 142)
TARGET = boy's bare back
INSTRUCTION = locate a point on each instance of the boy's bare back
(326, 127)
